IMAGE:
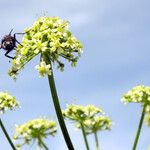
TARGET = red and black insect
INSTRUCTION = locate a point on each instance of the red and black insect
(8, 43)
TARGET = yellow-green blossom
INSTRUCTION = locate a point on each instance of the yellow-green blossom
(43, 69)
(7, 102)
(95, 124)
(80, 113)
(89, 116)
(35, 130)
(51, 38)
(139, 94)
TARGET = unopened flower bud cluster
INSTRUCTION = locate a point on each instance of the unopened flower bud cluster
(7, 102)
(89, 116)
(139, 94)
(37, 129)
(49, 37)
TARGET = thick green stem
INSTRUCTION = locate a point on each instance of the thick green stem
(58, 108)
(7, 136)
(139, 129)
(96, 141)
(84, 136)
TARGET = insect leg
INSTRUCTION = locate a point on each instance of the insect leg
(18, 33)
(18, 42)
(6, 54)
(16, 39)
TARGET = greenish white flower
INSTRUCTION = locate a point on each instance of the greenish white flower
(35, 130)
(139, 94)
(89, 116)
(43, 69)
(7, 102)
(50, 38)
(80, 113)
(95, 124)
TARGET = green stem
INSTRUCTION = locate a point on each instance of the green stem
(96, 141)
(139, 129)
(7, 136)
(84, 136)
(58, 108)
(43, 144)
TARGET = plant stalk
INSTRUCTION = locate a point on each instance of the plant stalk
(7, 136)
(84, 136)
(58, 108)
(96, 141)
(43, 144)
(139, 129)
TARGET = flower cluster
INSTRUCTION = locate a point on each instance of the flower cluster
(51, 38)
(37, 129)
(97, 123)
(140, 94)
(7, 101)
(89, 116)
(80, 113)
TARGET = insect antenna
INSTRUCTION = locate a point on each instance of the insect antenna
(10, 31)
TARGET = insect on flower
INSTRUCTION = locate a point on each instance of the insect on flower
(8, 43)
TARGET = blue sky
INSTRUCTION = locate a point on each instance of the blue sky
(115, 35)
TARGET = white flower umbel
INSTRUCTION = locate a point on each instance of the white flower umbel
(139, 94)
(7, 102)
(89, 119)
(50, 38)
(35, 130)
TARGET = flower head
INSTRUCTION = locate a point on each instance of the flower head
(35, 130)
(89, 116)
(51, 38)
(139, 94)
(97, 123)
(80, 113)
(7, 101)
